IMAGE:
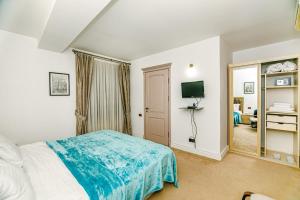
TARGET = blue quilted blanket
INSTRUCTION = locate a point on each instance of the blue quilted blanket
(112, 165)
(237, 119)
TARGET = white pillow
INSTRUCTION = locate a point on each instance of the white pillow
(236, 107)
(10, 152)
(14, 183)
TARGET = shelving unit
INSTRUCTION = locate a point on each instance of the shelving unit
(278, 138)
(280, 135)
(279, 73)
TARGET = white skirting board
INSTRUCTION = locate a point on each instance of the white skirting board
(224, 152)
(213, 155)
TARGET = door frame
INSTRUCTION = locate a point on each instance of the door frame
(157, 68)
(231, 67)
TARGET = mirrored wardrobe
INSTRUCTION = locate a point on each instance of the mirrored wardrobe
(244, 109)
(264, 110)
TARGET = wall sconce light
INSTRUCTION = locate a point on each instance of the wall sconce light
(191, 71)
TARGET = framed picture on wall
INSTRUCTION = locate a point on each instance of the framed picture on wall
(248, 87)
(59, 84)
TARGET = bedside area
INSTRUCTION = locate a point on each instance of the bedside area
(246, 118)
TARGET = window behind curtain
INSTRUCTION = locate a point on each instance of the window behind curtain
(105, 110)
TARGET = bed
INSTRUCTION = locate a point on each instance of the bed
(238, 108)
(237, 118)
(99, 165)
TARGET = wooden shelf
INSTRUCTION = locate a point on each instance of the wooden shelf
(280, 122)
(190, 108)
(282, 113)
(282, 87)
(280, 73)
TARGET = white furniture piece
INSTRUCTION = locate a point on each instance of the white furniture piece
(279, 137)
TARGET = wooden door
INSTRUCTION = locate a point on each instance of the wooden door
(156, 96)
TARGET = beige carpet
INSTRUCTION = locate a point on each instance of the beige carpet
(205, 179)
(244, 138)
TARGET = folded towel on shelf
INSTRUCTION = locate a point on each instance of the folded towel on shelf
(287, 107)
(274, 109)
(282, 107)
(274, 68)
(277, 109)
(287, 66)
(281, 104)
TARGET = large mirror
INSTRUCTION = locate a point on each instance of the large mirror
(244, 108)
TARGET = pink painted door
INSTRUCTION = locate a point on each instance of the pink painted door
(157, 106)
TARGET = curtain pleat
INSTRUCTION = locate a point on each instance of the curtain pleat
(105, 110)
(124, 84)
(84, 71)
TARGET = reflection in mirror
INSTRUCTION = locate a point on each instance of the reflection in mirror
(245, 109)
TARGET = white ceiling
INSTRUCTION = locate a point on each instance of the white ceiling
(134, 28)
(130, 29)
(64, 25)
(26, 17)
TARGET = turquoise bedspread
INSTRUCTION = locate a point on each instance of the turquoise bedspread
(112, 165)
(237, 118)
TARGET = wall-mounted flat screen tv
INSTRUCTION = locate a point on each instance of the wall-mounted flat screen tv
(192, 89)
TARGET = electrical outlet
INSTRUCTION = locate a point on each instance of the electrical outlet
(192, 139)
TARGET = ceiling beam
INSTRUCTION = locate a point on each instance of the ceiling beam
(67, 20)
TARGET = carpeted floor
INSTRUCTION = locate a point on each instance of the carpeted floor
(244, 138)
(204, 179)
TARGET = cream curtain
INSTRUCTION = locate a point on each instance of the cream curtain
(105, 110)
(84, 71)
(124, 83)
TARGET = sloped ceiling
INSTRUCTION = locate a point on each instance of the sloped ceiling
(26, 17)
(130, 29)
(136, 28)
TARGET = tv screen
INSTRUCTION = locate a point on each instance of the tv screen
(192, 89)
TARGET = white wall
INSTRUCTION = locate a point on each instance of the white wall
(241, 75)
(206, 56)
(286, 48)
(27, 112)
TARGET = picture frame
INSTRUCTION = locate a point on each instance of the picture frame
(59, 84)
(248, 87)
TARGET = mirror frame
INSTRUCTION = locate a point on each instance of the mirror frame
(232, 67)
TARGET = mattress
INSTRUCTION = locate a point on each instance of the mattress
(100, 165)
(50, 179)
